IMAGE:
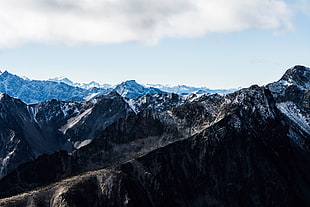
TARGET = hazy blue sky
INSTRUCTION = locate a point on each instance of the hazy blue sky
(213, 43)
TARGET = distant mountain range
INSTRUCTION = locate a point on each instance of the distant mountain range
(185, 90)
(92, 84)
(33, 91)
(246, 148)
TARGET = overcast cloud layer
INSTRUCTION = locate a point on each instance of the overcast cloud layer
(107, 21)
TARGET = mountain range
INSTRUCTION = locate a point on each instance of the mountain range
(34, 91)
(250, 147)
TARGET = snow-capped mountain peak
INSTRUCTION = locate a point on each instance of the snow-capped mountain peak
(6, 73)
(89, 85)
(62, 79)
(298, 75)
(131, 89)
(186, 90)
(93, 84)
(295, 79)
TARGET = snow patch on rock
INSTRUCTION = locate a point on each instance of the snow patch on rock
(294, 114)
(74, 120)
(79, 144)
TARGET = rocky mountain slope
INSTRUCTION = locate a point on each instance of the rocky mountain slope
(28, 131)
(292, 94)
(248, 148)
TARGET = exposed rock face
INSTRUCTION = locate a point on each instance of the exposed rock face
(306, 99)
(249, 148)
(292, 86)
(28, 131)
(291, 93)
(14, 148)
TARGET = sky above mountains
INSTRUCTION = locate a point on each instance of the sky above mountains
(213, 43)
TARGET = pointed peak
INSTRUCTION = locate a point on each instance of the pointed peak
(300, 67)
(297, 69)
(61, 79)
(298, 75)
(130, 82)
(6, 73)
(66, 79)
(297, 72)
(4, 96)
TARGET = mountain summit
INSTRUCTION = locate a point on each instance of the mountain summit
(298, 75)
(131, 89)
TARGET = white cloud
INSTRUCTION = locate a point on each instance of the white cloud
(109, 21)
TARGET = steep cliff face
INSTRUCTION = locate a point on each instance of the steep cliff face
(292, 95)
(13, 116)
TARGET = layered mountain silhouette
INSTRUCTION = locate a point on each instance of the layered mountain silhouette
(247, 148)
(34, 91)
